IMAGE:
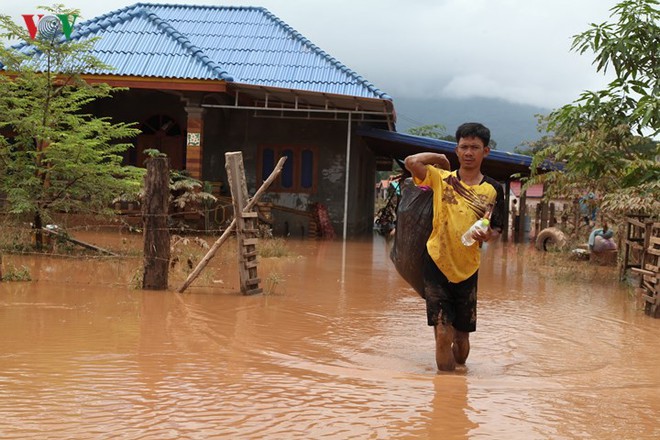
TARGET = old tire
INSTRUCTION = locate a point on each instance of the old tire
(550, 238)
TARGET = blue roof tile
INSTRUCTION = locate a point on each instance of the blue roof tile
(247, 45)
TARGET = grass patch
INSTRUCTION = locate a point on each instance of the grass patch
(136, 279)
(273, 247)
(562, 266)
(273, 280)
(185, 255)
(16, 240)
(14, 273)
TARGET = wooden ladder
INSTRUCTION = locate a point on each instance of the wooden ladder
(246, 225)
(649, 285)
(247, 247)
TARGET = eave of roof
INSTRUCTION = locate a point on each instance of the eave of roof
(282, 99)
(141, 82)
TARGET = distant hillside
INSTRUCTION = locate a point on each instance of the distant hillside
(510, 124)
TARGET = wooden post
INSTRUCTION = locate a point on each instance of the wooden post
(154, 217)
(246, 224)
(552, 221)
(627, 244)
(544, 216)
(253, 201)
(507, 202)
(522, 210)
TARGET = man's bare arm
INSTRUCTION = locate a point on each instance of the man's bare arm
(416, 163)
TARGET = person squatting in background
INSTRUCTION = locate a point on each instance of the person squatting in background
(601, 240)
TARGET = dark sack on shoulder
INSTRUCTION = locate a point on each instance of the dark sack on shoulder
(414, 222)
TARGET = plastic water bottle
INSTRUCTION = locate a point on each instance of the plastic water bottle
(481, 224)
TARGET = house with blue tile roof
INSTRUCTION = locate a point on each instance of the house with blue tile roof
(205, 80)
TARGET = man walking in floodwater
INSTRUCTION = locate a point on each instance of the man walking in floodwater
(460, 198)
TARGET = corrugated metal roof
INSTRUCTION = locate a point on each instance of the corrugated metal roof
(441, 146)
(246, 45)
(500, 165)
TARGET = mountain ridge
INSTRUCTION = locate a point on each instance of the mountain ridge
(511, 124)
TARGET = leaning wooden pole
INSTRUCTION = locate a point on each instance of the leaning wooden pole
(211, 253)
(78, 242)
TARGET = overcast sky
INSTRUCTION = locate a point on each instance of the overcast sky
(517, 50)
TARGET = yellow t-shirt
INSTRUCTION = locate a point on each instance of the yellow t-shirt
(456, 207)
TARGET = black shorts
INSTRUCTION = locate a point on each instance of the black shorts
(447, 302)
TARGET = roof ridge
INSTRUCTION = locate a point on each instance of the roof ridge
(371, 87)
(113, 17)
(195, 51)
(182, 5)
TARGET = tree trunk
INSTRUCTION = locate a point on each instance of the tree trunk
(154, 216)
(38, 234)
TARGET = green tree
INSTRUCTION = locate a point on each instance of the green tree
(439, 131)
(534, 147)
(54, 155)
(605, 138)
(433, 131)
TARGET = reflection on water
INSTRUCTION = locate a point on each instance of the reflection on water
(340, 349)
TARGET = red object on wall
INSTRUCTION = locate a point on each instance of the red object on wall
(321, 213)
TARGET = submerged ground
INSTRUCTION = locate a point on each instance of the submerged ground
(337, 348)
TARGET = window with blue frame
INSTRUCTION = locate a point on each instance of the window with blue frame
(299, 173)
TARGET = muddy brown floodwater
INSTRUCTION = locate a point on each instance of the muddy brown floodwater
(337, 349)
